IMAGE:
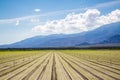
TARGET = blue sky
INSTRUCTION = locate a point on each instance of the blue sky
(19, 8)
(20, 19)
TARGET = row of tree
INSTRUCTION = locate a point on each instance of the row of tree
(60, 48)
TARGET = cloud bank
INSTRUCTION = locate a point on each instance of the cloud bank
(75, 23)
(14, 20)
(37, 10)
(17, 22)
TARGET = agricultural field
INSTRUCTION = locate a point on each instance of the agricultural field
(60, 65)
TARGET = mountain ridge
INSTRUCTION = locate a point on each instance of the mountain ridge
(93, 37)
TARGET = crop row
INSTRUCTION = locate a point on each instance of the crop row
(57, 65)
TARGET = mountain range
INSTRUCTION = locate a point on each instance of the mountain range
(104, 35)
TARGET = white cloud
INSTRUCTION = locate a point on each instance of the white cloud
(106, 4)
(37, 10)
(74, 23)
(102, 5)
(35, 20)
(17, 22)
(114, 16)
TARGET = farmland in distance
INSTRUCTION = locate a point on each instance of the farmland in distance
(60, 65)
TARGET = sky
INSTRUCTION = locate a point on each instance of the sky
(21, 19)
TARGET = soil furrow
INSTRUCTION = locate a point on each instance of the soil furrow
(65, 69)
(29, 74)
(43, 70)
(11, 66)
(86, 70)
(99, 71)
(13, 60)
(85, 78)
(103, 65)
(104, 68)
(54, 74)
(20, 71)
(18, 67)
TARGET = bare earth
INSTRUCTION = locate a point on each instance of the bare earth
(55, 66)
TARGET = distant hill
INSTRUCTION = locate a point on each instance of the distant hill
(112, 39)
(106, 34)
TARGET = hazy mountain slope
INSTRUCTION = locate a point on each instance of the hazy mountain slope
(103, 34)
(113, 39)
(90, 37)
